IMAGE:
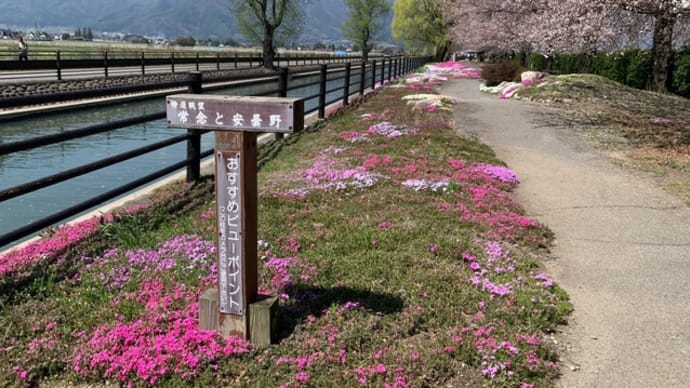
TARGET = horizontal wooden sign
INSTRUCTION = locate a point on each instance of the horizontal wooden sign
(235, 113)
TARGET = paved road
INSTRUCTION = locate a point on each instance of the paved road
(622, 251)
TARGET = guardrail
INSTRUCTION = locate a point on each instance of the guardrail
(335, 83)
(109, 61)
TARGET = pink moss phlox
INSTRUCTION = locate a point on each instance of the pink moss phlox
(426, 184)
(208, 214)
(389, 130)
(383, 116)
(373, 161)
(454, 70)
(195, 252)
(165, 340)
(281, 276)
(500, 173)
(660, 120)
(353, 136)
(456, 164)
(383, 128)
(545, 279)
(44, 249)
(326, 174)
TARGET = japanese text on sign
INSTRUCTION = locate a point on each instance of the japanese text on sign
(260, 114)
(229, 232)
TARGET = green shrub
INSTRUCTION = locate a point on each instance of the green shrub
(615, 66)
(639, 68)
(501, 71)
(681, 75)
(536, 62)
(568, 63)
(521, 58)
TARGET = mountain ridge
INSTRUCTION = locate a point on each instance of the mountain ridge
(170, 18)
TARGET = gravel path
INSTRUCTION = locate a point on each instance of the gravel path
(622, 250)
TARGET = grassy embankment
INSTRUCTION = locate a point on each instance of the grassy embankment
(400, 255)
(639, 129)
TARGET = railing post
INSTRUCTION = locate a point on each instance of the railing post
(383, 71)
(390, 69)
(218, 61)
(373, 74)
(172, 61)
(105, 63)
(194, 141)
(58, 65)
(143, 63)
(197, 61)
(282, 89)
(235, 60)
(362, 77)
(346, 89)
(322, 91)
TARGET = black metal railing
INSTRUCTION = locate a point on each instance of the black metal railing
(111, 63)
(336, 83)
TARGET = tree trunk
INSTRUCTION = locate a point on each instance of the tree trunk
(662, 51)
(442, 51)
(268, 52)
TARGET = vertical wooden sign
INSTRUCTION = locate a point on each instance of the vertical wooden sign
(236, 202)
(233, 307)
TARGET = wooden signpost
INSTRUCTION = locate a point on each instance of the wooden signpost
(234, 308)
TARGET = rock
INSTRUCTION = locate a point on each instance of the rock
(530, 77)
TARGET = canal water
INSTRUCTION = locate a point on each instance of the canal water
(22, 167)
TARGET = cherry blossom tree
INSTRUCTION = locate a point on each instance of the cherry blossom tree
(552, 26)
(665, 16)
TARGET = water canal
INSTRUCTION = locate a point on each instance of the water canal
(22, 167)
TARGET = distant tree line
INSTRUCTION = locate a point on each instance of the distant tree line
(80, 34)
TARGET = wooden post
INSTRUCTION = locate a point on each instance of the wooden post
(105, 64)
(282, 89)
(362, 77)
(346, 87)
(234, 308)
(58, 65)
(194, 141)
(322, 90)
(383, 70)
(373, 74)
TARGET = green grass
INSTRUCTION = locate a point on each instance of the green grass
(379, 291)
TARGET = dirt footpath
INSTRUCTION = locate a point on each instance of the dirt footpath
(622, 249)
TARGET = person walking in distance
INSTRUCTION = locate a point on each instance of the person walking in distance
(23, 49)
